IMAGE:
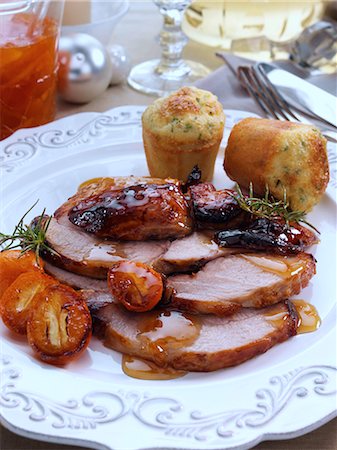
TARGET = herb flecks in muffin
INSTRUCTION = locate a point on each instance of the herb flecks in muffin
(186, 113)
(174, 121)
(264, 151)
(182, 130)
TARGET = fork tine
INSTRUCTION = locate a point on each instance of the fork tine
(246, 81)
(277, 95)
(261, 94)
(272, 99)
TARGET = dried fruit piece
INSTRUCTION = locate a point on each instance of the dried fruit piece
(12, 264)
(17, 300)
(136, 285)
(59, 328)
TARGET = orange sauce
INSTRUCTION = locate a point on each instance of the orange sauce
(28, 72)
(147, 370)
(279, 265)
(160, 331)
(96, 180)
(309, 319)
(105, 252)
(277, 319)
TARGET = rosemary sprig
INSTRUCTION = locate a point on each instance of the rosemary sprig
(28, 238)
(268, 207)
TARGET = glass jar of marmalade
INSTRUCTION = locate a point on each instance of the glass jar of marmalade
(29, 32)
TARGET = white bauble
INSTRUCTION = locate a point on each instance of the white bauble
(85, 68)
(120, 62)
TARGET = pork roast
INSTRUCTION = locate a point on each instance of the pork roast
(214, 209)
(268, 235)
(191, 252)
(85, 254)
(186, 342)
(74, 280)
(225, 285)
(147, 209)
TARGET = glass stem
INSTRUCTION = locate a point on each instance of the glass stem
(172, 42)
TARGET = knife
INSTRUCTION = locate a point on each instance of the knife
(302, 95)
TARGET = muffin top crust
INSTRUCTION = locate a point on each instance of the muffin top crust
(189, 114)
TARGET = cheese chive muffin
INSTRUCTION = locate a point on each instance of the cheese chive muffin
(182, 130)
(281, 155)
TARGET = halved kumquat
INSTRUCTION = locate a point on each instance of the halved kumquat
(59, 328)
(13, 263)
(17, 300)
(136, 285)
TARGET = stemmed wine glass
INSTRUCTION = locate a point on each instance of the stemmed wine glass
(171, 71)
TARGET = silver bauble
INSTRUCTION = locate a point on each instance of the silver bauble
(121, 63)
(85, 68)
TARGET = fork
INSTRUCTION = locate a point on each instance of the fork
(270, 100)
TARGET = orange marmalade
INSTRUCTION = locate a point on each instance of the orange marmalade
(28, 72)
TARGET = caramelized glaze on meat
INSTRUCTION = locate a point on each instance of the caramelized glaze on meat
(219, 210)
(214, 209)
(264, 234)
(151, 209)
(227, 284)
(219, 342)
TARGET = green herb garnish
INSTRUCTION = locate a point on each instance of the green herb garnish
(174, 121)
(269, 208)
(28, 238)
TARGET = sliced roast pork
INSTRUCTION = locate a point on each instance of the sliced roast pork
(225, 285)
(194, 343)
(96, 300)
(147, 209)
(85, 254)
(74, 280)
(192, 252)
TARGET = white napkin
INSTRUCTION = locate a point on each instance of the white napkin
(225, 85)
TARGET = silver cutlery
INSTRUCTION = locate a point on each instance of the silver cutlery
(301, 95)
(270, 101)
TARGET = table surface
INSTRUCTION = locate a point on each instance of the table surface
(142, 45)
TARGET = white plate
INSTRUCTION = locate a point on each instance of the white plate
(288, 391)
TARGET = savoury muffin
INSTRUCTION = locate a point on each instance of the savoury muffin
(281, 155)
(183, 130)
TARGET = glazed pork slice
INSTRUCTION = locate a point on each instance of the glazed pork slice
(219, 210)
(225, 285)
(215, 210)
(195, 343)
(96, 186)
(74, 280)
(85, 254)
(147, 209)
(191, 252)
(268, 235)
